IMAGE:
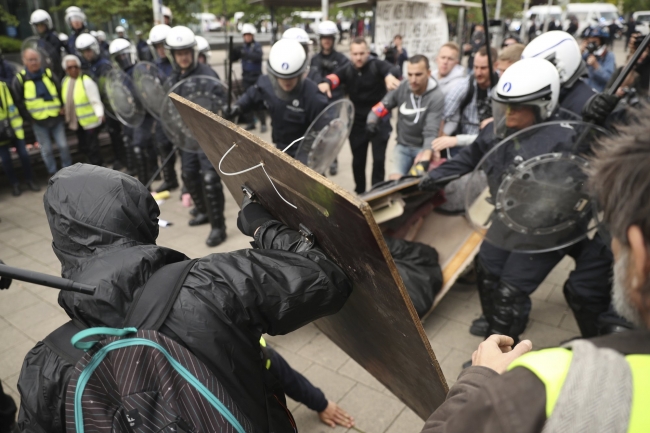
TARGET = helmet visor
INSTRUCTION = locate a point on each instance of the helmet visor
(286, 89)
(509, 117)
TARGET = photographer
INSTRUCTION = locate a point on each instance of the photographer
(601, 63)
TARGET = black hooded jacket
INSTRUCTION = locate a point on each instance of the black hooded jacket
(104, 227)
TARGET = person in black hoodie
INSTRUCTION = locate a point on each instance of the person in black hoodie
(104, 227)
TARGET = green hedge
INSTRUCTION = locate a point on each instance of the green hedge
(9, 45)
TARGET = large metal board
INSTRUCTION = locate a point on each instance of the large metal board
(378, 326)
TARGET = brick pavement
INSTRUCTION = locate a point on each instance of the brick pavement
(28, 313)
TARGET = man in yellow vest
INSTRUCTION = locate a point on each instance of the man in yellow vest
(588, 385)
(84, 111)
(37, 94)
(12, 134)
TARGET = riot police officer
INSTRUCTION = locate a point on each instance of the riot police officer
(157, 37)
(140, 138)
(41, 23)
(199, 176)
(530, 90)
(89, 50)
(250, 55)
(293, 101)
(326, 62)
(204, 49)
(76, 21)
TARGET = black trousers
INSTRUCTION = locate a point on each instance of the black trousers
(249, 81)
(89, 144)
(359, 142)
(114, 128)
(195, 162)
(295, 385)
(7, 411)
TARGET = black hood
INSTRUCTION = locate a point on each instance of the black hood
(104, 226)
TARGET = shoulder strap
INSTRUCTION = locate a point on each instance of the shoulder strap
(148, 310)
(468, 96)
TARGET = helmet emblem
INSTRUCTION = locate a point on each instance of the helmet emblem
(285, 66)
(179, 39)
(295, 103)
(507, 87)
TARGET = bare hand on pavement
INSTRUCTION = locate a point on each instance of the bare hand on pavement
(334, 414)
(496, 352)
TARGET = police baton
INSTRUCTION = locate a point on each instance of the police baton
(229, 72)
(487, 42)
(45, 280)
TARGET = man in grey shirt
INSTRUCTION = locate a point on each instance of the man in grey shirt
(421, 104)
(448, 73)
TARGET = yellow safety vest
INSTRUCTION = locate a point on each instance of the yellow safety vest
(39, 108)
(551, 366)
(8, 109)
(85, 112)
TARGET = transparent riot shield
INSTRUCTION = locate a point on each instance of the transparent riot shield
(48, 53)
(205, 91)
(123, 98)
(537, 198)
(326, 135)
(148, 85)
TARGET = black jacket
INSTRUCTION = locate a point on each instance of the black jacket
(575, 98)
(289, 118)
(104, 227)
(324, 64)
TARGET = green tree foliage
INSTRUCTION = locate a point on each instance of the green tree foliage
(7, 18)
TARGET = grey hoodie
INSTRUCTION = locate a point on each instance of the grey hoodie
(418, 117)
(448, 82)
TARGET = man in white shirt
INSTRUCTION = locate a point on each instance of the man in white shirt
(83, 108)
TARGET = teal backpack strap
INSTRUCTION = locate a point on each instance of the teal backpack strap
(91, 332)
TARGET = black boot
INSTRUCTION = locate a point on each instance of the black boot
(141, 165)
(170, 182)
(334, 168)
(152, 163)
(487, 283)
(215, 204)
(510, 314)
(193, 184)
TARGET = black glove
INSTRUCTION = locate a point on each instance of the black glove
(599, 107)
(251, 216)
(230, 113)
(371, 129)
(429, 184)
(4, 282)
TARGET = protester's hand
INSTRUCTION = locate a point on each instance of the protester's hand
(599, 107)
(444, 142)
(334, 414)
(231, 112)
(592, 61)
(436, 156)
(371, 129)
(486, 122)
(4, 282)
(392, 82)
(251, 216)
(425, 156)
(496, 352)
(325, 88)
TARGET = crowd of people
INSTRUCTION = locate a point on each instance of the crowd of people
(449, 118)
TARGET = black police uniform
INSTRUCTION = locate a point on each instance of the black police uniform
(52, 45)
(366, 87)
(574, 98)
(166, 147)
(324, 64)
(199, 176)
(289, 118)
(506, 279)
(251, 65)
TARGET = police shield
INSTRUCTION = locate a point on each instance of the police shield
(205, 91)
(102, 78)
(46, 51)
(537, 198)
(148, 85)
(326, 135)
(123, 98)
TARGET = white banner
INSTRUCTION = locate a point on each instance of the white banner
(422, 25)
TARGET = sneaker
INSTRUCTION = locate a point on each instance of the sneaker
(479, 327)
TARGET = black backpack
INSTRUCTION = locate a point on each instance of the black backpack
(138, 380)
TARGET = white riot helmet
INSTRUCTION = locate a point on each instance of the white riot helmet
(93, 34)
(529, 82)
(85, 42)
(167, 13)
(63, 38)
(297, 34)
(561, 49)
(327, 28)
(203, 46)
(157, 36)
(101, 36)
(181, 38)
(39, 16)
(287, 60)
(248, 29)
(120, 29)
(122, 53)
(73, 13)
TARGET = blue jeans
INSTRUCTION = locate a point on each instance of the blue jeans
(43, 137)
(7, 165)
(404, 157)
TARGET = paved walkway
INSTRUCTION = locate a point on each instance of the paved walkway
(28, 313)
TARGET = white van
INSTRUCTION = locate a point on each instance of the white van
(642, 19)
(589, 14)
